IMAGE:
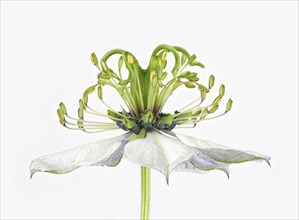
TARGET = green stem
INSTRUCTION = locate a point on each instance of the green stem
(145, 193)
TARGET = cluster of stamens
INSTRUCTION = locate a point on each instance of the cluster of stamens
(145, 92)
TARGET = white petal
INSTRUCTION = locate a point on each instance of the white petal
(221, 153)
(158, 151)
(105, 152)
(200, 162)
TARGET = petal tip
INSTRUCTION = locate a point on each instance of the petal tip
(32, 170)
(31, 173)
(268, 161)
(226, 171)
(167, 176)
(227, 174)
(167, 181)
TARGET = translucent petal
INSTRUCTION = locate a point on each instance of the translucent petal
(105, 152)
(221, 153)
(158, 151)
(200, 162)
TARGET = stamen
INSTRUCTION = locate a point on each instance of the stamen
(95, 130)
(95, 112)
(91, 126)
(89, 122)
(193, 110)
(217, 116)
(205, 119)
(181, 126)
(191, 103)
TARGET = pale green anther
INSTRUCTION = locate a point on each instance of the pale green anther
(203, 94)
(211, 81)
(229, 105)
(148, 117)
(222, 90)
(80, 123)
(192, 59)
(60, 113)
(201, 87)
(104, 66)
(60, 116)
(197, 113)
(193, 79)
(213, 109)
(164, 74)
(62, 122)
(204, 113)
(100, 92)
(183, 59)
(189, 85)
(103, 82)
(85, 99)
(80, 113)
(120, 63)
(90, 90)
(217, 100)
(185, 74)
(166, 119)
(62, 107)
(185, 115)
(81, 104)
(192, 74)
(197, 63)
(94, 59)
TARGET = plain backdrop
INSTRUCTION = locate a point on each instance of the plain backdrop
(251, 47)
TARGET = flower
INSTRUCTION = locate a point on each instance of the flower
(149, 140)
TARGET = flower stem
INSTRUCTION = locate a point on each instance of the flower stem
(145, 193)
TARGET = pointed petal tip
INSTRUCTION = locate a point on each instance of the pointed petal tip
(167, 176)
(226, 171)
(227, 174)
(32, 172)
(167, 181)
(268, 161)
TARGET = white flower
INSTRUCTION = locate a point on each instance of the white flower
(149, 141)
(165, 152)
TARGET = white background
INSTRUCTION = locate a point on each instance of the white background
(251, 47)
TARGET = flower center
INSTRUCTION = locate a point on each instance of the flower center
(145, 92)
(146, 120)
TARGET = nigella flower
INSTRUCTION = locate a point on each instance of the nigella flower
(149, 140)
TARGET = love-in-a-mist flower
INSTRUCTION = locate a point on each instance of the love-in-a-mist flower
(149, 140)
